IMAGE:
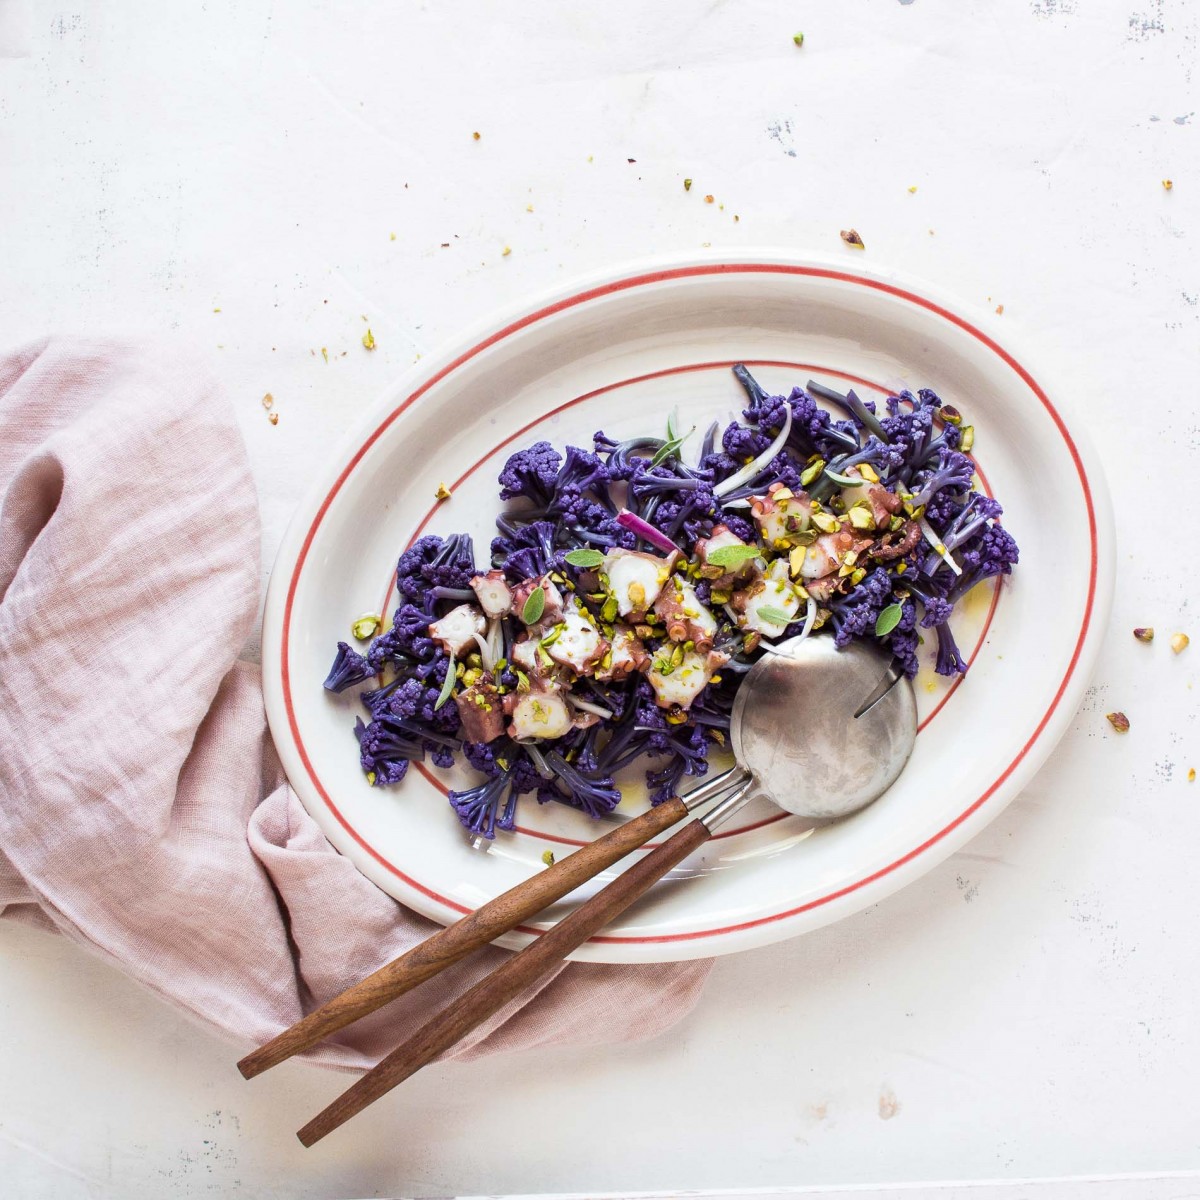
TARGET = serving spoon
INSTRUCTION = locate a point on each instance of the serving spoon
(821, 732)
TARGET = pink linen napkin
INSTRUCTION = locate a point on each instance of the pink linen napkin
(143, 811)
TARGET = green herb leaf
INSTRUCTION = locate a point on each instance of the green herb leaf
(888, 619)
(447, 687)
(585, 558)
(671, 446)
(732, 557)
(775, 615)
(534, 606)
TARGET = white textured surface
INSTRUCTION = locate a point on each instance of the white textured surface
(1025, 1010)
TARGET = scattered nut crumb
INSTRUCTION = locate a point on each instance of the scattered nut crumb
(590, 158)
(216, 310)
(443, 492)
(368, 339)
(273, 418)
(687, 185)
(325, 353)
(1167, 185)
(392, 237)
(476, 135)
(889, 1106)
(1191, 774)
(851, 238)
(268, 401)
(999, 310)
(506, 252)
(364, 317)
(1119, 721)
(1144, 633)
(529, 208)
(709, 198)
(736, 217)
(548, 857)
(912, 187)
(1179, 642)
(798, 38)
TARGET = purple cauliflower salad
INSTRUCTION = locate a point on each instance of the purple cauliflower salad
(628, 593)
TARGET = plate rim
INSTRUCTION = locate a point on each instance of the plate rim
(407, 389)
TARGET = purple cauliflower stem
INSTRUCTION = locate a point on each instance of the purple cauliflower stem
(628, 592)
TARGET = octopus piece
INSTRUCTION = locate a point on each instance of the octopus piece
(495, 596)
(723, 579)
(684, 618)
(896, 545)
(457, 629)
(482, 711)
(771, 591)
(636, 578)
(537, 715)
(829, 551)
(780, 515)
(578, 644)
(676, 685)
(552, 607)
(627, 656)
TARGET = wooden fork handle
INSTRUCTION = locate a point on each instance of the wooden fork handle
(494, 991)
(476, 929)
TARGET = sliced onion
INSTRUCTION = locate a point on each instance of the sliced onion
(540, 765)
(595, 709)
(646, 531)
(845, 480)
(485, 652)
(936, 542)
(752, 468)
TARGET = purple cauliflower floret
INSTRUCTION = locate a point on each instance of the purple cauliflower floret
(854, 615)
(385, 750)
(953, 474)
(949, 658)
(527, 550)
(478, 808)
(349, 667)
(531, 473)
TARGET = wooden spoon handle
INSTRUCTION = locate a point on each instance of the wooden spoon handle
(456, 941)
(491, 993)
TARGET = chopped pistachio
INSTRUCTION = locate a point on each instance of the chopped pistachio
(553, 635)
(643, 631)
(968, 439)
(371, 778)
(1191, 774)
(443, 492)
(798, 38)
(950, 415)
(811, 472)
(548, 857)
(851, 238)
(476, 135)
(687, 185)
(1119, 721)
(861, 518)
(637, 595)
(717, 736)
(365, 626)
(858, 575)
(1144, 633)
(368, 340)
(896, 524)
(1179, 642)
(825, 523)
(796, 560)
(609, 610)
(868, 472)
(268, 401)
(1167, 185)
(325, 353)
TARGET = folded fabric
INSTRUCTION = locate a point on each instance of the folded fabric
(143, 812)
